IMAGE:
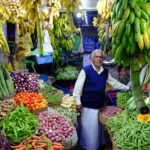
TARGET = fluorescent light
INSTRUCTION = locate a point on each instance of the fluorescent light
(78, 14)
(85, 16)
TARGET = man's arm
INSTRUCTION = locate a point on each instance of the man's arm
(78, 89)
(116, 84)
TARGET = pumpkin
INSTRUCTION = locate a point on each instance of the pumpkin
(143, 117)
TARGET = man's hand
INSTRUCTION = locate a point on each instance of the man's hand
(130, 89)
(79, 108)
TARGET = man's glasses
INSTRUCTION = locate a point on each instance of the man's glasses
(99, 57)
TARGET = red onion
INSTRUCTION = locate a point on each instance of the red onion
(56, 127)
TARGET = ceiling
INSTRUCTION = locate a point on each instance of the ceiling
(89, 4)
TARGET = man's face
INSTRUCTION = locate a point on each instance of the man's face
(97, 59)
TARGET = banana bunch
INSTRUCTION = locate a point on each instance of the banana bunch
(57, 55)
(67, 44)
(12, 8)
(95, 22)
(69, 102)
(103, 7)
(102, 36)
(3, 42)
(26, 27)
(56, 6)
(61, 28)
(131, 31)
(73, 4)
(4, 11)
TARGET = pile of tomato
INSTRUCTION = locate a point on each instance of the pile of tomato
(31, 100)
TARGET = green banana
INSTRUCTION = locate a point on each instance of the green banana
(131, 17)
(128, 29)
(144, 15)
(137, 10)
(116, 27)
(126, 14)
(143, 25)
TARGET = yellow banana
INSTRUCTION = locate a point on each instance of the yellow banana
(146, 40)
(141, 42)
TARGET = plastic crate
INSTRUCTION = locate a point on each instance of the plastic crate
(46, 59)
(43, 77)
(65, 90)
(88, 48)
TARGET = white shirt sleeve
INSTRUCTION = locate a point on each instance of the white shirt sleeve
(116, 84)
(79, 86)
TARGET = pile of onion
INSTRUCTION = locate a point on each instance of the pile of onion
(55, 126)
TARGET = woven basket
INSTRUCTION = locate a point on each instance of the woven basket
(37, 111)
(9, 96)
(114, 145)
(54, 104)
(103, 119)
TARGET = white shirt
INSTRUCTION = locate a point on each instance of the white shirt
(81, 79)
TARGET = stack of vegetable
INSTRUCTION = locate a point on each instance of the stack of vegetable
(4, 143)
(68, 113)
(31, 100)
(55, 126)
(38, 143)
(69, 102)
(6, 107)
(24, 81)
(20, 124)
(68, 72)
(51, 94)
(110, 111)
(129, 134)
(116, 122)
(122, 98)
(6, 84)
(41, 84)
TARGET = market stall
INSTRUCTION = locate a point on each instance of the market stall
(40, 59)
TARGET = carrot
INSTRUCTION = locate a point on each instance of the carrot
(58, 147)
(36, 141)
(29, 138)
(57, 144)
(22, 148)
(33, 144)
(17, 146)
(41, 146)
(51, 148)
(36, 137)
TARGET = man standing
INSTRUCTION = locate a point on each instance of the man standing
(89, 93)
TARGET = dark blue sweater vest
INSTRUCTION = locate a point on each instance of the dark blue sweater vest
(93, 93)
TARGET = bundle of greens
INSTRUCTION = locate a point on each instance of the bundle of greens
(20, 124)
(122, 98)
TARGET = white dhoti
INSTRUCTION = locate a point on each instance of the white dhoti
(91, 131)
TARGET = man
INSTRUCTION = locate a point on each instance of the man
(89, 93)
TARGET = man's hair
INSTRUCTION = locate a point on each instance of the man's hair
(96, 50)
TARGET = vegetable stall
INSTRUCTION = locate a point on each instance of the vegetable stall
(40, 60)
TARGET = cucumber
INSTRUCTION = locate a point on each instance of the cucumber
(3, 84)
